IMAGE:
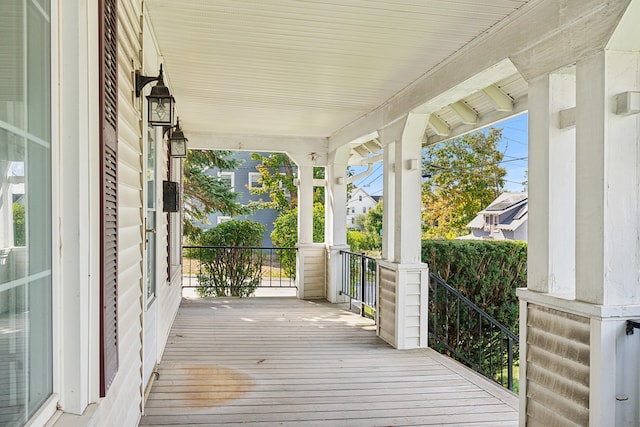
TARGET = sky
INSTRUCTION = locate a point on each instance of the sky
(514, 145)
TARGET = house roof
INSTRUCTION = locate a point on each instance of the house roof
(512, 207)
(505, 202)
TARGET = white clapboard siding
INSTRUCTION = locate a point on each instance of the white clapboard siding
(315, 270)
(558, 360)
(289, 362)
(412, 307)
(387, 304)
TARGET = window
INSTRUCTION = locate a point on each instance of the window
(174, 223)
(222, 219)
(360, 198)
(364, 209)
(26, 352)
(227, 177)
(254, 180)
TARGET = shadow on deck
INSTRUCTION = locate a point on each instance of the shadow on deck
(283, 361)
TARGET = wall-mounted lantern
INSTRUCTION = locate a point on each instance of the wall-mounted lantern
(159, 102)
(177, 140)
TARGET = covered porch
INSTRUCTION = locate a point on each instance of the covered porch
(277, 360)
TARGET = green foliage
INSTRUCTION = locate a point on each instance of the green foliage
(276, 176)
(462, 177)
(369, 240)
(231, 271)
(487, 273)
(318, 222)
(204, 194)
(285, 234)
(19, 234)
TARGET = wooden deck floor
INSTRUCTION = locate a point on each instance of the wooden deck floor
(282, 361)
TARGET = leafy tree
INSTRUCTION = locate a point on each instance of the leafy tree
(369, 240)
(204, 194)
(285, 234)
(226, 271)
(276, 176)
(462, 177)
(19, 235)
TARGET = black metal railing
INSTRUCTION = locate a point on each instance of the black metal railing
(463, 331)
(359, 281)
(236, 270)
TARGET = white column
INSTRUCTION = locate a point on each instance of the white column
(403, 278)
(390, 137)
(335, 220)
(76, 299)
(311, 270)
(607, 210)
(408, 188)
(551, 257)
(305, 204)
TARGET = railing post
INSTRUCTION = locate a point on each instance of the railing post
(363, 277)
(510, 364)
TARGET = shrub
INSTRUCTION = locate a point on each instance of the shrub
(486, 272)
(228, 269)
(19, 235)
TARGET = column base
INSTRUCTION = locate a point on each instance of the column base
(401, 312)
(311, 270)
(335, 274)
(577, 362)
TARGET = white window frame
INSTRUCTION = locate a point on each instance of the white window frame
(251, 177)
(229, 174)
(221, 219)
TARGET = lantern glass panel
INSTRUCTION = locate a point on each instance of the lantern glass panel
(160, 111)
(178, 147)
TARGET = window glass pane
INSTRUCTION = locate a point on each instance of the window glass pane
(227, 178)
(26, 379)
(12, 60)
(151, 167)
(151, 213)
(254, 180)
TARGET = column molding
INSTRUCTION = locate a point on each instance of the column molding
(607, 173)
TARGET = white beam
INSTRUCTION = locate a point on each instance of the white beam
(500, 100)
(466, 113)
(540, 37)
(247, 142)
(489, 119)
(439, 126)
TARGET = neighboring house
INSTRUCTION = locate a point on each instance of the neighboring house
(504, 219)
(242, 178)
(359, 203)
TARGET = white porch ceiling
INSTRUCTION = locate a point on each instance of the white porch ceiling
(306, 68)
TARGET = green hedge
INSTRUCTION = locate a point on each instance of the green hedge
(231, 270)
(486, 272)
